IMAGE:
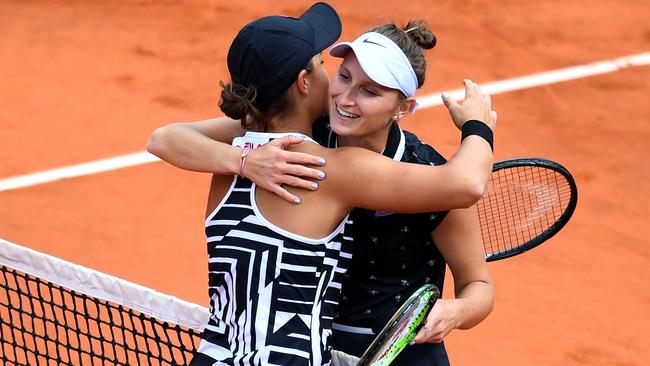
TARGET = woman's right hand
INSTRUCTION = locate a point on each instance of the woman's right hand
(270, 166)
(476, 105)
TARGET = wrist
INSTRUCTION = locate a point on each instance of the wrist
(242, 160)
(478, 128)
(229, 161)
(459, 312)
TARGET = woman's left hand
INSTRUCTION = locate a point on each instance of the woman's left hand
(442, 319)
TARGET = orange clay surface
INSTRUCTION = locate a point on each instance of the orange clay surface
(85, 80)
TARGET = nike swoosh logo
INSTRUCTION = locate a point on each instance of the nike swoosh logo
(371, 42)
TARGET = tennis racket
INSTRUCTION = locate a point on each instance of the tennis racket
(402, 327)
(527, 201)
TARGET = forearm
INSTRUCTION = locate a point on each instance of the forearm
(369, 180)
(472, 166)
(475, 302)
(476, 119)
(186, 147)
(458, 238)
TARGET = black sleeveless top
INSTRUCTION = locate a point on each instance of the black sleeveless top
(393, 254)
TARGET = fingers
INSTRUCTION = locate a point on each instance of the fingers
(286, 141)
(449, 102)
(477, 87)
(421, 336)
(298, 182)
(295, 165)
(302, 158)
(296, 157)
(304, 172)
(472, 90)
(427, 335)
(293, 182)
(283, 193)
(469, 87)
(278, 188)
(437, 325)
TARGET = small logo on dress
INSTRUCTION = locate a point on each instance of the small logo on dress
(381, 213)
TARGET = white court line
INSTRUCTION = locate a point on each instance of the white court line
(545, 78)
(92, 167)
(426, 101)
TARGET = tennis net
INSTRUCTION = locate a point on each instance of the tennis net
(54, 312)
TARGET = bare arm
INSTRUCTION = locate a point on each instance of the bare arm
(368, 180)
(459, 240)
(204, 146)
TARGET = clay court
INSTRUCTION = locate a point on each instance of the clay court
(89, 80)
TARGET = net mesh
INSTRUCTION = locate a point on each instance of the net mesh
(45, 323)
(520, 203)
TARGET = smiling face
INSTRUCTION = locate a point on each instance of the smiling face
(359, 107)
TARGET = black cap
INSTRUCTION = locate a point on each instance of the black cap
(269, 52)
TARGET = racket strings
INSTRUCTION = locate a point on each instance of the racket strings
(519, 205)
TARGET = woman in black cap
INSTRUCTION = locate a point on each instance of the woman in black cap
(275, 270)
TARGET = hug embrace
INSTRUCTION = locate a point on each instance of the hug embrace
(323, 214)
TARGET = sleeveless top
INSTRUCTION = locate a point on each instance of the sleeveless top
(393, 254)
(273, 293)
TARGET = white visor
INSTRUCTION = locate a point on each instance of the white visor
(382, 60)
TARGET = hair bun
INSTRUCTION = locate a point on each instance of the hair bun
(420, 34)
(236, 100)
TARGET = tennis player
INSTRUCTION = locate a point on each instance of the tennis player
(273, 286)
(395, 254)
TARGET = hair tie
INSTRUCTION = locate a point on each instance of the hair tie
(411, 29)
(246, 92)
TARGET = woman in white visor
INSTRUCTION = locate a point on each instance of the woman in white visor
(393, 253)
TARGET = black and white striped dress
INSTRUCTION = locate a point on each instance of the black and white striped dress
(273, 294)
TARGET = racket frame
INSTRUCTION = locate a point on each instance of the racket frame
(558, 224)
(405, 311)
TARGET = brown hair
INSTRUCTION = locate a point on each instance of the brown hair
(240, 102)
(413, 39)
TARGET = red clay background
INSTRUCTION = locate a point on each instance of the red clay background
(85, 80)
